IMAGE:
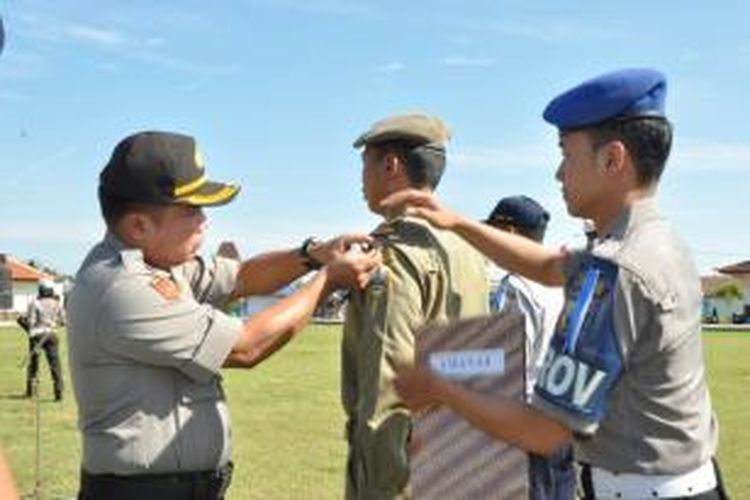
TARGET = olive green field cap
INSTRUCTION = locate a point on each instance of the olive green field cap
(415, 127)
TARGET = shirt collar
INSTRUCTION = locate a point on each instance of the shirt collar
(629, 217)
(131, 256)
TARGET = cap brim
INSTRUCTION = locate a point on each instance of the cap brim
(393, 135)
(210, 194)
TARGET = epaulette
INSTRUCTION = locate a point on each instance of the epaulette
(132, 260)
(404, 230)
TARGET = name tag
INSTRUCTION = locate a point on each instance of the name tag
(467, 364)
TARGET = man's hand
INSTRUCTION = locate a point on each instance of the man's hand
(326, 251)
(418, 388)
(422, 204)
(350, 268)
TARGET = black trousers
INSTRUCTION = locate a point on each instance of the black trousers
(50, 345)
(553, 477)
(203, 485)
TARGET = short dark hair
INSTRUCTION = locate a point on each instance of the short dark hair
(114, 208)
(536, 234)
(647, 139)
(425, 162)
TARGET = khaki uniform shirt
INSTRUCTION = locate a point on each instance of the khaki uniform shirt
(625, 367)
(146, 346)
(427, 275)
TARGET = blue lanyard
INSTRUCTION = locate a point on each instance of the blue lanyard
(578, 315)
(499, 299)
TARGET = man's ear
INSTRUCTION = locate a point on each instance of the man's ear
(611, 157)
(392, 164)
(135, 226)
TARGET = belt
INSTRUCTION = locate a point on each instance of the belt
(605, 484)
(203, 484)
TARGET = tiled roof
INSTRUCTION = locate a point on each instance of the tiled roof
(738, 268)
(20, 271)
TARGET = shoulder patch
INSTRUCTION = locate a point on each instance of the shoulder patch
(165, 287)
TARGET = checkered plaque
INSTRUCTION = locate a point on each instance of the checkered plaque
(453, 460)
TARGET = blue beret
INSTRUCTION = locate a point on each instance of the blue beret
(520, 211)
(621, 94)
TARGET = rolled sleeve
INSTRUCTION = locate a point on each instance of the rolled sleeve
(212, 280)
(216, 345)
(136, 322)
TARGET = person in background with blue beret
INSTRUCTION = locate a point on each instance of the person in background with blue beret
(624, 375)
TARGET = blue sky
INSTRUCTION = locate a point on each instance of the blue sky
(276, 90)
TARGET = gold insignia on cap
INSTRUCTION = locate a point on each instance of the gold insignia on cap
(199, 163)
(190, 186)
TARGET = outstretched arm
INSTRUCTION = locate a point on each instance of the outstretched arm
(7, 485)
(510, 251)
(266, 332)
(270, 271)
(502, 418)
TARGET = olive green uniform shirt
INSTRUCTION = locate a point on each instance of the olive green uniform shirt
(427, 275)
(146, 346)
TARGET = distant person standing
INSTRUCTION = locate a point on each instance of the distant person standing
(45, 313)
(550, 477)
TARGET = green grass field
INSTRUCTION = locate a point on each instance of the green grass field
(287, 422)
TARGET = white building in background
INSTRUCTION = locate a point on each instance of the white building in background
(720, 303)
(24, 281)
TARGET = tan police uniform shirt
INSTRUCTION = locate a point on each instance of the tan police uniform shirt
(427, 275)
(625, 368)
(44, 315)
(146, 346)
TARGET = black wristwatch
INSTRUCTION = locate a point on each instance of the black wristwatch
(311, 263)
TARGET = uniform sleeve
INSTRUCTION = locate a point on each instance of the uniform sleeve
(31, 314)
(585, 359)
(137, 322)
(349, 357)
(391, 313)
(60, 319)
(212, 280)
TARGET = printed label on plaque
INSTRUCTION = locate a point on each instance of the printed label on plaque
(458, 365)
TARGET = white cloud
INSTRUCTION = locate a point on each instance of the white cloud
(511, 157)
(468, 61)
(334, 7)
(147, 49)
(6, 96)
(687, 154)
(689, 56)
(550, 32)
(710, 156)
(20, 65)
(156, 42)
(98, 36)
(391, 67)
(52, 232)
